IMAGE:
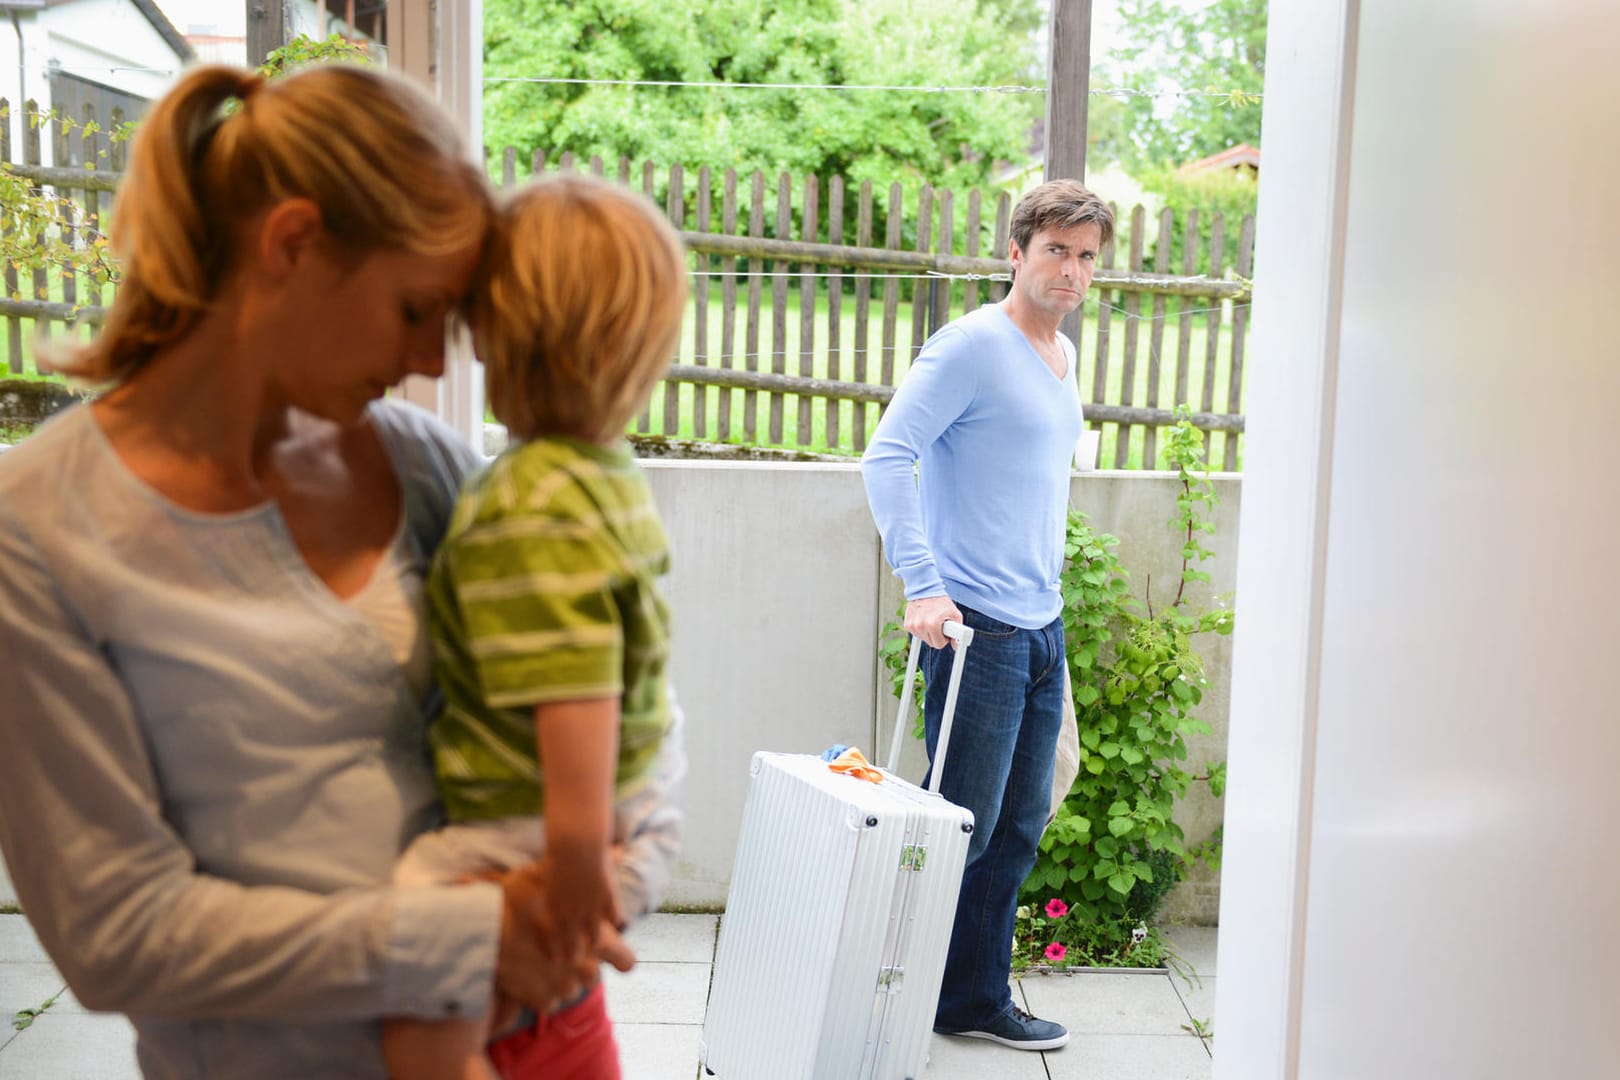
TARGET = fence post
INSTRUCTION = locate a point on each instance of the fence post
(675, 207)
(940, 288)
(1212, 316)
(863, 310)
(728, 300)
(1240, 324)
(700, 305)
(807, 304)
(756, 229)
(835, 299)
(1133, 319)
(1105, 311)
(779, 286)
(1161, 264)
(919, 291)
(1189, 266)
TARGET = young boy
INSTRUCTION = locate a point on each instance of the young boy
(550, 633)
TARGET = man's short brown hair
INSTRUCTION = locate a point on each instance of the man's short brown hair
(1059, 204)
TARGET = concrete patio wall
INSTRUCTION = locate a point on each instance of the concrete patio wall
(779, 592)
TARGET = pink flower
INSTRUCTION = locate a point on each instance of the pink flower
(1055, 952)
(1056, 909)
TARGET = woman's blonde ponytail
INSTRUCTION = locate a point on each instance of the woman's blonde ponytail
(376, 154)
(160, 229)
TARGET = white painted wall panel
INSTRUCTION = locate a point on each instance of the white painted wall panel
(1456, 732)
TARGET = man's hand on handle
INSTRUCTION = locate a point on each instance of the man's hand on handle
(926, 617)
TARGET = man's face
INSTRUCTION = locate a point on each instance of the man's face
(1054, 272)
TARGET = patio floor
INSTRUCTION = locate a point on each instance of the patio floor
(1125, 1026)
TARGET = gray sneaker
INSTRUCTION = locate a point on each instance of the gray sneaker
(1018, 1030)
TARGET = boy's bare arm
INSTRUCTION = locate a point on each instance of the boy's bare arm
(579, 750)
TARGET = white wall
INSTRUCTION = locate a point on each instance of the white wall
(1420, 871)
(105, 41)
(779, 590)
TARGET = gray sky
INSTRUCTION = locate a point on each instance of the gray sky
(228, 16)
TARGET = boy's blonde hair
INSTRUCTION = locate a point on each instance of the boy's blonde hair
(377, 155)
(580, 308)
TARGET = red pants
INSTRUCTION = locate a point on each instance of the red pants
(575, 1044)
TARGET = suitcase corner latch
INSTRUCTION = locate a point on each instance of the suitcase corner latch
(912, 856)
(889, 979)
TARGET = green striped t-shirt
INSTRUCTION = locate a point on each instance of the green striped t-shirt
(544, 591)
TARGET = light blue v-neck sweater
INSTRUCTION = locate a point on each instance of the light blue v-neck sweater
(992, 433)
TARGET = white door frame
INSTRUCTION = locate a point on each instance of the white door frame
(1282, 537)
(448, 58)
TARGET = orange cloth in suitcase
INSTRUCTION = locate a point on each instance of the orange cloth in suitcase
(854, 763)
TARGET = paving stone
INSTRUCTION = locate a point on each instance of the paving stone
(675, 938)
(658, 1051)
(86, 1046)
(658, 993)
(1103, 1004)
(1130, 1057)
(1195, 945)
(1199, 1000)
(18, 943)
(955, 1058)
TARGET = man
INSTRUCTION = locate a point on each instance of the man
(989, 414)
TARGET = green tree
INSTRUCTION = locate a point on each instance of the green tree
(882, 136)
(1217, 50)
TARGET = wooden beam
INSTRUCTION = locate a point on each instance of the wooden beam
(266, 29)
(410, 41)
(1068, 87)
(1068, 90)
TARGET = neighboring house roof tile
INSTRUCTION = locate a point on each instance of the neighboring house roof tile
(1241, 154)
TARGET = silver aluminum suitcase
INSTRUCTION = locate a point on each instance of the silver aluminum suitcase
(833, 943)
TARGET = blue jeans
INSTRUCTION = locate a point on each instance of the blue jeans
(998, 765)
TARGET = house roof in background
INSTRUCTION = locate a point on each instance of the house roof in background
(160, 22)
(1230, 158)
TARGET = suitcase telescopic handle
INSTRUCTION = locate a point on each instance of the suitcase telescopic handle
(963, 636)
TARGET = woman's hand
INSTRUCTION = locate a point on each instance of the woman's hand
(533, 964)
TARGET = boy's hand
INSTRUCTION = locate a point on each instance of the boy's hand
(532, 965)
(538, 964)
(581, 898)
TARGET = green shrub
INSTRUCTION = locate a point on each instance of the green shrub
(1114, 850)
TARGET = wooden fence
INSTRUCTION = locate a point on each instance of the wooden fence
(809, 300)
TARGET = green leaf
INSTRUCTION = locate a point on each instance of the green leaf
(1121, 883)
(1120, 826)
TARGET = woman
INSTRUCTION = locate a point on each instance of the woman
(210, 596)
